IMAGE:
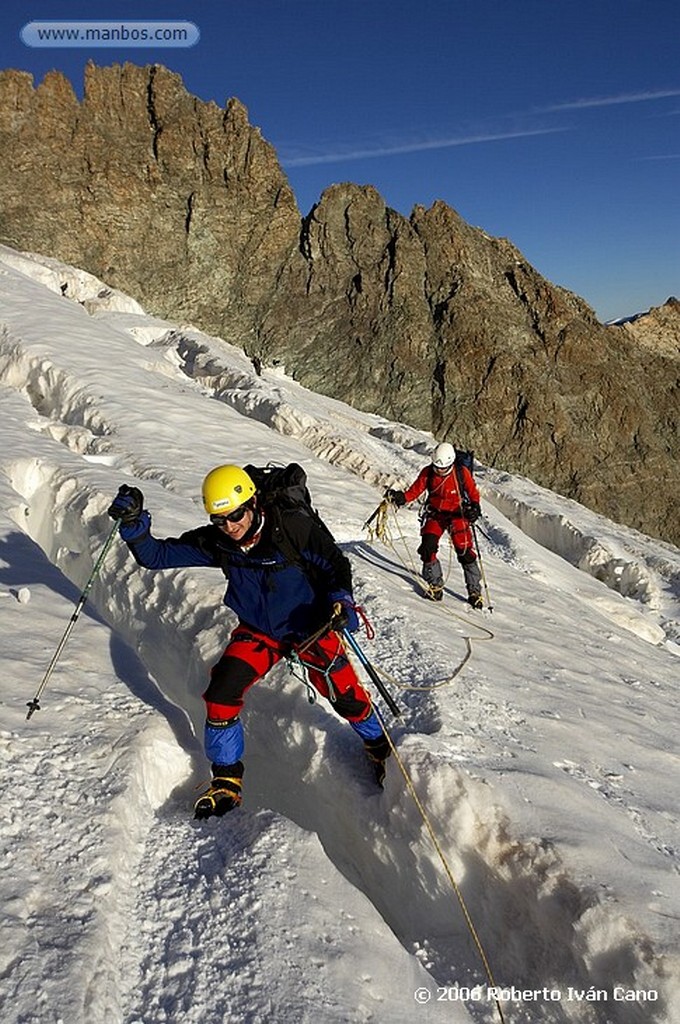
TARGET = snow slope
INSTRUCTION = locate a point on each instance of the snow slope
(541, 739)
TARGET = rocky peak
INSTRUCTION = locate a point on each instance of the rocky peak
(170, 199)
(425, 319)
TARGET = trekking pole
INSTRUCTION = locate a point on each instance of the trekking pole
(354, 644)
(481, 566)
(484, 534)
(34, 705)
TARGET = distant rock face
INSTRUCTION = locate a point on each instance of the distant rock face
(659, 329)
(425, 320)
(180, 203)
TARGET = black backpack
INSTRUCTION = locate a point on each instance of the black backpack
(466, 460)
(280, 489)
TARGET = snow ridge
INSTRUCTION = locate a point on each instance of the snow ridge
(635, 570)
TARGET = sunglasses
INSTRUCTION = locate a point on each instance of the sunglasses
(231, 517)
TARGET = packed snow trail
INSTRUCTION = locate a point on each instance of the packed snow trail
(117, 907)
(526, 737)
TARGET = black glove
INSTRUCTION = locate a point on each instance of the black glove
(128, 505)
(473, 511)
(396, 498)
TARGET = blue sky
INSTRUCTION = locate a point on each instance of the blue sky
(554, 124)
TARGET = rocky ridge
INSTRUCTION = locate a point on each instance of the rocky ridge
(424, 319)
(658, 328)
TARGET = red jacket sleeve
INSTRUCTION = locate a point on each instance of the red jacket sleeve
(419, 486)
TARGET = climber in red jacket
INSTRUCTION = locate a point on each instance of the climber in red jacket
(452, 504)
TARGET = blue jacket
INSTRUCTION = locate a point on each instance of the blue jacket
(285, 600)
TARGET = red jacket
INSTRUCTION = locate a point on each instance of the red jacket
(444, 493)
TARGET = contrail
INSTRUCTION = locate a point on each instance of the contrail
(411, 147)
(610, 101)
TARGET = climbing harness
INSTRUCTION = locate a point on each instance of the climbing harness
(296, 662)
(298, 667)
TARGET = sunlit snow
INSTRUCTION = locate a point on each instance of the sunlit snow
(547, 764)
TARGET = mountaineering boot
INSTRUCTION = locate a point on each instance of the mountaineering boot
(475, 601)
(434, 593)
(378, 751)
(224, 792)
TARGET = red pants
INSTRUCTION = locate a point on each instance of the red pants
(461, 536)
(249, 655)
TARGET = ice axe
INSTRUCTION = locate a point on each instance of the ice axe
(380, 686)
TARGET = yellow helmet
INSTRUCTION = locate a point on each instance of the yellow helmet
(226, 488)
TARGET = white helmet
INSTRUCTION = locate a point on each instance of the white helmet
(444, 456)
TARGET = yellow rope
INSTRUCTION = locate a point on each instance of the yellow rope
(382, 532)
(437, 685)
(447, 868)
